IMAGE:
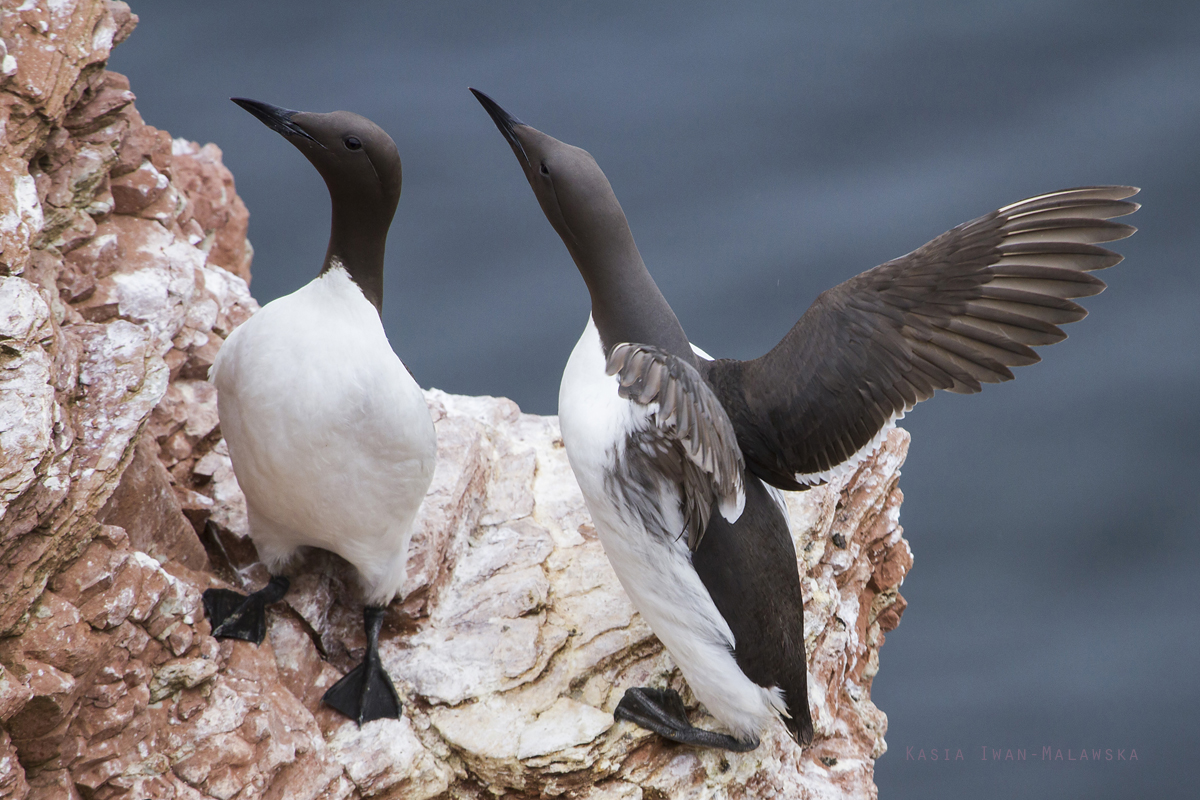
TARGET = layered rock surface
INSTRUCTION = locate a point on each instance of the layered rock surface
(124, 265)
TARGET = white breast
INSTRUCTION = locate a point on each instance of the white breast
(595, 420)
(330, 437)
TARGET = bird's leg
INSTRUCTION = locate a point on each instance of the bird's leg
(238, 616)
(662, 711)
(366, 692)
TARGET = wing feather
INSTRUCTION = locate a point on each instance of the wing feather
(690, 439)
(954, 314)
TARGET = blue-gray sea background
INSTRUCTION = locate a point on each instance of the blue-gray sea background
(764, 152)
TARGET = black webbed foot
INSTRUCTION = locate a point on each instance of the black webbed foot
(366, 692)
(237, 616)
(662, 711)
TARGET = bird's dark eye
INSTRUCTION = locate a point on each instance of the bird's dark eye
(545, 170)
(352, 143)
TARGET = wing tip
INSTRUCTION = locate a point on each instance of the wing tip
(1103, 193)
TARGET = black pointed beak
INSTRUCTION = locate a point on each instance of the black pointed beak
(505, 122)
(276, 118)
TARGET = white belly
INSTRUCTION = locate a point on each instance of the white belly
(329, 435)
(653, 565)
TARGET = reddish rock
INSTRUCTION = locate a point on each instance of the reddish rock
(14, 692)
(13, 784)
(135, 190)
(220, 214)
(58, 637)
(99, 104)
(146, 507)
(53, 785)
(143, 146)
(54, 695)
(93, 571)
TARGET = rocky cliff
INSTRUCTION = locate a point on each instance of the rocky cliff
(124, 265)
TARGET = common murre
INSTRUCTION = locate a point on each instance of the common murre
(672, 451)
(329, 434)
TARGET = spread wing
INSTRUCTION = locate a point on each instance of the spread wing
(688, 438)
(953, 314)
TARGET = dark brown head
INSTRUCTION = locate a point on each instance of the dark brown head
(569, 185)
(361, 168)
(579, 203)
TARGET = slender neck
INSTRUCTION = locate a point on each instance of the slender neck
(356, 242)
(627, 305)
